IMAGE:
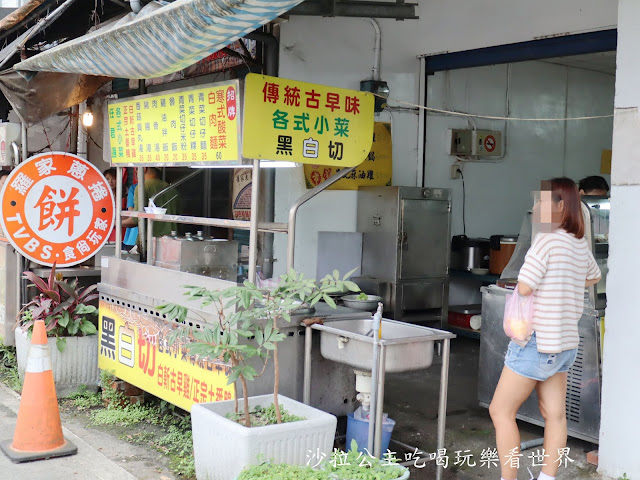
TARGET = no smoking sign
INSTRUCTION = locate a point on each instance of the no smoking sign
(490, 143)
(57, 207)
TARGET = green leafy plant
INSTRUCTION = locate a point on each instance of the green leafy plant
(247, 325)
(363, 296)
(82, 399)
(270, 471)
(265, 416)
(9, 367)
(172, 437)
(352, 465)
(123, 416)
(358, 466)
(62, 305)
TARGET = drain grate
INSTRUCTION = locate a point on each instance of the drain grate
(145, 309)
(574, 385)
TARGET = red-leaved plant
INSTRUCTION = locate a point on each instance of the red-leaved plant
(62, 306)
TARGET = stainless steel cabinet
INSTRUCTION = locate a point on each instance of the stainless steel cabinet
(405, 248)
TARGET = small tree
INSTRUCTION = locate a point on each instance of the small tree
(246, 312)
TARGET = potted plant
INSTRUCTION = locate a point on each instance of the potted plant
(73, 343)
(247, 334)
(341, 466)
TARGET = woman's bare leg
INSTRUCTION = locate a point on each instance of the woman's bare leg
(510, 394)
(552, 397)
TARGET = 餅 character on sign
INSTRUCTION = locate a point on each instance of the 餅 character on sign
(56, 207)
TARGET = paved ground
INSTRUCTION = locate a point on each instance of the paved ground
(412, 400)
(88, 463)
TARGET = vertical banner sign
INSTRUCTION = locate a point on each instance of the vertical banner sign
(57, 207)
(375, 171)
(242, 193)
(306, 123)
(194, 126)
(134, 346)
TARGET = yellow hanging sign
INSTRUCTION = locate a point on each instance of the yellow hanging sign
(307, 123)
(375, 171)
(134, 347)
(189, 126)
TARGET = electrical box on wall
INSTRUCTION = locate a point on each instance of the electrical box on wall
(486, 143)
(459, 142)
(9, 132)
(481, 143)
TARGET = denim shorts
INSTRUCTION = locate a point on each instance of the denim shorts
(528, 362)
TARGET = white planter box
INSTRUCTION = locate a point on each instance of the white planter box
(223, 448)
(77, 366)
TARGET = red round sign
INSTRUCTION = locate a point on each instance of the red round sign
(490, 143)
(57, 207)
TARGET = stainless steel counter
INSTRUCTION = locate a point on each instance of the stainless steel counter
(70, 272)
(142, 288)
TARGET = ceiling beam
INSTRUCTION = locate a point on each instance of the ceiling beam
(366, 9)
(121, 3)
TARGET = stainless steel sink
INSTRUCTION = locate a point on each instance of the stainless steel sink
(408, 347)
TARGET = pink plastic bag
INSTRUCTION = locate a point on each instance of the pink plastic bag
(518, 317)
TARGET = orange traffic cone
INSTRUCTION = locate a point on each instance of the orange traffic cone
(38, 433)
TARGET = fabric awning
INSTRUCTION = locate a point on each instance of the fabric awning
(47, 93)
(159, 40)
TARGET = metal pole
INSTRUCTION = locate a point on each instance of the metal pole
(291, 240)
(73, 139)
(118, 212)
(23, 127)
(25, 151)
(149, 241)
(306, 393)
(16, 154)
(142, 224)
(442, 403)
(253, 231)
(379, 402)
(18, 281)
(207, 198)
(141, 221)
(375, 367)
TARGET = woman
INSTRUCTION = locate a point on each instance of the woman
(557, 269)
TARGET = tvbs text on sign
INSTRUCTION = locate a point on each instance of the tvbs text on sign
(306, 123)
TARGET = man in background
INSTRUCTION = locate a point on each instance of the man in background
(593, 185)
(169, 200)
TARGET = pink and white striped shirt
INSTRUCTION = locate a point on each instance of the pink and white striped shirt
(556, 267)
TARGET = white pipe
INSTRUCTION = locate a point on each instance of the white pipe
(253, 231)
(25, 141)
(82, 148)
(136, 5)
(377, 50)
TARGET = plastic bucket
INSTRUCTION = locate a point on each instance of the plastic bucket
(358, 430)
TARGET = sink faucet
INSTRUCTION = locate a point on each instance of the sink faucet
(377, 320)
